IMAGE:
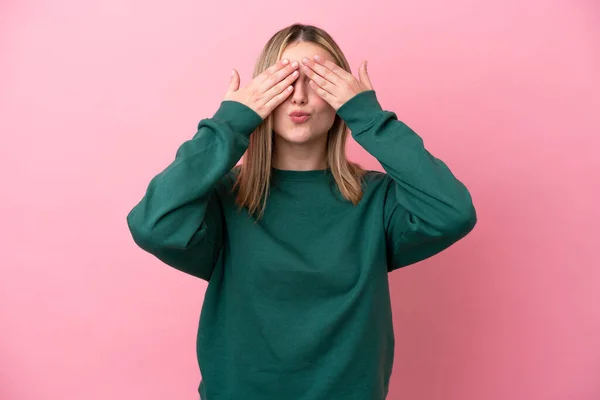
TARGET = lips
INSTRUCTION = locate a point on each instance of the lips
(299, 117)
(299, 114)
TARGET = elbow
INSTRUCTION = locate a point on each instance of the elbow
(463, 220)
(139, 235)
(158, 236)
(469, 219)
(141, 232)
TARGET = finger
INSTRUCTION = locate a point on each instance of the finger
(278, 76)
(336, 69)
(267, 73)
(234, 82)
(279, 98)
(321, 82)
(363, 75)
(323, 71)
(281, 86)
(327, 96)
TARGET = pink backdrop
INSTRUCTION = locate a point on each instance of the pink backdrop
(95, 98)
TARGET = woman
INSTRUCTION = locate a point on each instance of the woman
(297, 241)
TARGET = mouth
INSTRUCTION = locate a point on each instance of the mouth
(299, 118)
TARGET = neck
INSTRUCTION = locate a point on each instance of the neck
(300, 157)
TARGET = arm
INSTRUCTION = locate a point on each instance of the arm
(179, 219)
(426, 209)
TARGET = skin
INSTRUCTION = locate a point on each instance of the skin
(302, 146)
(321, 89)
(311, 82)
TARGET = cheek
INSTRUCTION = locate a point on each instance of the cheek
(318, 104)
(314, 96)
(322, 106)
(278, 114)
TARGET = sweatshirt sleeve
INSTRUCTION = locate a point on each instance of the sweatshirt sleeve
(426, 208)
(180, 219)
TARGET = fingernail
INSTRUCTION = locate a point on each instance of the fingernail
(285, 61)
(317, 58)
(232, 72)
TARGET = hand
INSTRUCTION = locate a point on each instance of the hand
(334, 84)
(267, 90)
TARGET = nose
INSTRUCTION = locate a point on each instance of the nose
(299, 94)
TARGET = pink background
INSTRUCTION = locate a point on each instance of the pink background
(95, 98)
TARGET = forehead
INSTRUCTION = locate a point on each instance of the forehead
(296, 51)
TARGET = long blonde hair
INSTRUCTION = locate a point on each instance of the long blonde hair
(254, 174)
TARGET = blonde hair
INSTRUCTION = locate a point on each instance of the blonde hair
(254, 174)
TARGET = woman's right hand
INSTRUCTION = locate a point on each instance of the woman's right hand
(267, 90)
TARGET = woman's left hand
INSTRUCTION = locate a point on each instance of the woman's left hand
(334, 84)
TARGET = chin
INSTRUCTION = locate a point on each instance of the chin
(297, 137)
(299, 134)
(292, 131)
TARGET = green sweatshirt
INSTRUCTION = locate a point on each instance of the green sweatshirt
(297, 305)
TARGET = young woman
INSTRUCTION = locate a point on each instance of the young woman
(296, 242)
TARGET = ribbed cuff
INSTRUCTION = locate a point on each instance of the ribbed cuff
(241, 118)
(360, 111)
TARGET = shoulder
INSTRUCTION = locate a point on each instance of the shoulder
(230, 177)
(378, 185)
(224, 186)
(378, 179)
